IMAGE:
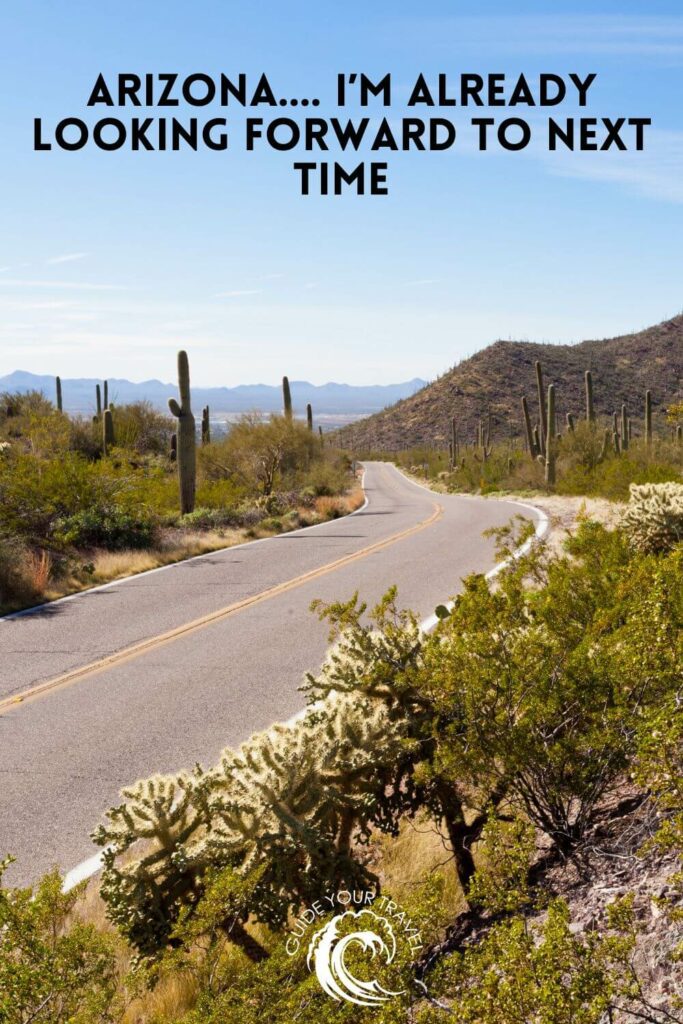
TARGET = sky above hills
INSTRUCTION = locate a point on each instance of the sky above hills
(111, 261)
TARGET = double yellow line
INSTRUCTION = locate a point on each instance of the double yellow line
(144, 646)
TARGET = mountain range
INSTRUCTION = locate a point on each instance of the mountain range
(495, 379)
(327, 399)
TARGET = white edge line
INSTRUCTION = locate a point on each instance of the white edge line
(87, 868)
(176, 565)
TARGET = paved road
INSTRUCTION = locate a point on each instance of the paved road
(153, 706)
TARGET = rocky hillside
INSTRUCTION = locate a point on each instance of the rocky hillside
(496, 378)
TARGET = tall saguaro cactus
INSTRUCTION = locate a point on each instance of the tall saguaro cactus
(206, 426)
(186, 440)
(624, 428)
(58, 386)
(105, 395)
(530, 437)
(309, 416)
(550, 438)
(590, 409)
(648, 417)
(287, 398)
(107, 431)
(98, 401)
(547, 426)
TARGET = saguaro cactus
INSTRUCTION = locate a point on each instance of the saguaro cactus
(107, 431)
(186, 441)
(550, 438)
(590, 409)
(105, 395)
(648, 417)
(309, 416)
(454, 440)
(58, 385)
(624, 428)
(287, 397)
(322, 439)
(533, 451)
(547, 426)
(206, 426)
(173, 453)
(570, 423)
(98, 400)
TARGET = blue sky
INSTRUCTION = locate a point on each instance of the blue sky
(111, 261)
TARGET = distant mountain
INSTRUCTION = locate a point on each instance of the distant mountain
(326, 399)
(498, 376)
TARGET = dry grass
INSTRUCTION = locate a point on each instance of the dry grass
(417, 851)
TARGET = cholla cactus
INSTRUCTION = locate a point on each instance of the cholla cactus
(280, 811)
(653, 519)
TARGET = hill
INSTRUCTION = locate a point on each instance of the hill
(498, 376)
(326, 399)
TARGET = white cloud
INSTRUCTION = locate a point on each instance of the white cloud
(68, 257)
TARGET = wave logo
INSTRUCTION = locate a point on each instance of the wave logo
(327, 952)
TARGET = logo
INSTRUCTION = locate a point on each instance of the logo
(352, 943)
(327, 951)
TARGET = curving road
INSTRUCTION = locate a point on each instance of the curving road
(166, 668)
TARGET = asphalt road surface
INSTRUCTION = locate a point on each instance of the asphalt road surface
(164, 669)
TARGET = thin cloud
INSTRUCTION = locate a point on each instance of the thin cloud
(238, 293)
(636, 35)
(69, 257)
(74, 285)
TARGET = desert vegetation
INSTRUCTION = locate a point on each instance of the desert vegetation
(537, 731)
(83, 500)
(586, 454)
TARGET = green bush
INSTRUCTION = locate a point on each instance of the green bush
(109, 527)
(53, 968)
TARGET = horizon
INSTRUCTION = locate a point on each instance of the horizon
(323, 383)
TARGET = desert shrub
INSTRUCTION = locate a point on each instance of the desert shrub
(107, 526)
(209, 519)
(17, 581)
(140, 427)
(542, 975)
(258, 455)
(653, 519)
(52, 969)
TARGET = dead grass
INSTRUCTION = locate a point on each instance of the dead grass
(417, 851)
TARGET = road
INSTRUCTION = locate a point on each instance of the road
(164, 669)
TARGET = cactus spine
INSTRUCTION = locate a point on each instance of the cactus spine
(98, 401)
(186, 440)
(648, 418)
(547, 426)
(58, 384)
(309, 416)
(624, 428)
(287, 398)
(550, 438)
(590, 409)
(107, 431)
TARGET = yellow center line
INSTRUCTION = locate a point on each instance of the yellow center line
(144, 646)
